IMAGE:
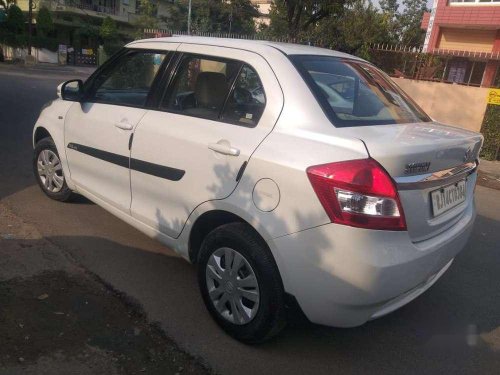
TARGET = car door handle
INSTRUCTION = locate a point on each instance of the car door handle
(224, 149)
(124, 125)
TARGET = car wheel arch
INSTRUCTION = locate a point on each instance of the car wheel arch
(40, 133)
(209, 221)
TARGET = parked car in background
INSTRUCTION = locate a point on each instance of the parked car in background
(289, 174)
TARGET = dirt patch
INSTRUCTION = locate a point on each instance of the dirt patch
(61, 322)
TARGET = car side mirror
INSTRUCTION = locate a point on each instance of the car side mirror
(71, 90)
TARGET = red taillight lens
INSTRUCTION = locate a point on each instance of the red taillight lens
(359, 193)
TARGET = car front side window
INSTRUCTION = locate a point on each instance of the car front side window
(129, 81)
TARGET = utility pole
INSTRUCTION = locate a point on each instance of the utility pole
(189, 18)
(30, 30)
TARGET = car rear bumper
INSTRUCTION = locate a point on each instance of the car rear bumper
(343, 276)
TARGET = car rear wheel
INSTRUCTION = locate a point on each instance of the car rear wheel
(240, 284)
(48, 171)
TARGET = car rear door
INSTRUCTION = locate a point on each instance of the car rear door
(220, 105)
(98, 129)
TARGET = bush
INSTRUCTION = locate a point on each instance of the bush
(491, 133)
(44, 23)
(41, 41)
(15, 20)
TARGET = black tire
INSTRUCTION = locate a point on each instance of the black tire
(270, 317)
(65, 194)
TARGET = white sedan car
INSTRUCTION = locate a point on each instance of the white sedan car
(290, 175)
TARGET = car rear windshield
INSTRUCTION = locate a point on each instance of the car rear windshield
(355, 93)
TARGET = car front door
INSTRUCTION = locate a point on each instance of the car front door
(99, 128)
(217, 109)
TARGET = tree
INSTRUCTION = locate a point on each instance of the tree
(109, 35)
(390, 12)
(236, 16)
(410, 21)
(12, 31)
(15, 20)
(240, 14)
(389, 6)
(147, 19)
(44, 23)
(176, 18)
(361, 25)
(300, 15)
(108, 29)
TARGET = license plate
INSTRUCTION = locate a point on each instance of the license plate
(448, 197)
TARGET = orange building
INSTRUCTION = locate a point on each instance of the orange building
(468, 32)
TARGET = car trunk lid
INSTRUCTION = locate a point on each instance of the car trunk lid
(423, 158)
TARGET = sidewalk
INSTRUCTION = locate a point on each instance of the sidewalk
(44, 67)
(489, 174)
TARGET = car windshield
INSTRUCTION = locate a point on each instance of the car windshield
(355, 93)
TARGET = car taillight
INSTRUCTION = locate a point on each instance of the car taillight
(358, 193)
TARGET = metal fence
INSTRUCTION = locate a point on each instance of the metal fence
(459, 67)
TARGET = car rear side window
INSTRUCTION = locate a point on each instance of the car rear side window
(247, 101)
(129, 81)
(201, 86)
(354, 93)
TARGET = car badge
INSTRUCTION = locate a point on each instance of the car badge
(412, 168)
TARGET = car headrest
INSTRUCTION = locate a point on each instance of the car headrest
(211, 89)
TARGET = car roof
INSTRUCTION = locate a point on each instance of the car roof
(248, 44)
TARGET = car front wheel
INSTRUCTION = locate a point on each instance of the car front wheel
(48, 171)
(240, 284)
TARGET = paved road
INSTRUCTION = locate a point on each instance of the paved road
(453, 328)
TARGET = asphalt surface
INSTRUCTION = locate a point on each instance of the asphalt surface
(453, 328)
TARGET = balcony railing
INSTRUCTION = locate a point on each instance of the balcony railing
(90, 7)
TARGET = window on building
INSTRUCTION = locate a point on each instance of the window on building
(464, 71)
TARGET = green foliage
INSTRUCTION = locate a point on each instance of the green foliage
(389, 6)
(109, 35)
(491, 133)
(360, 25)
(108, 29)
(15, 20)
(44, 23)
(410, 21)
(147, 17)
(12, 31)
(278, 27)
(299, 16)
(347, 25)
(87, 33)
(213, 16)
(41, 41)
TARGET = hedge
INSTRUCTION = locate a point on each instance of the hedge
(491, 133)
(21, 41)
